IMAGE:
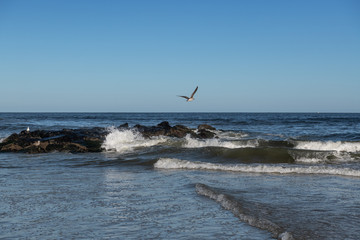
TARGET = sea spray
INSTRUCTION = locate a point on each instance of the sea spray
(229, 203)
(123, 141)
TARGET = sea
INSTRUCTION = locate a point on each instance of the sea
(265, 176)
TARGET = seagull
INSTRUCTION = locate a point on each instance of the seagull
(189, 99)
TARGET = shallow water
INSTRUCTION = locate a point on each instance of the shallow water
(304, 179)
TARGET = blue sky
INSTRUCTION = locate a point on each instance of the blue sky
(135, 56)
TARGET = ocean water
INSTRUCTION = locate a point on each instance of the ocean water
(267, 176)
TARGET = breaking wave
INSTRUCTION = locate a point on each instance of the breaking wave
(173, 163)
(228, 203)
(128, 140)
(329, 146)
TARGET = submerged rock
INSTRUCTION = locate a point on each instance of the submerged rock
(89, 139)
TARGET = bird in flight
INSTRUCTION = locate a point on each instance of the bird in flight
(191, 98)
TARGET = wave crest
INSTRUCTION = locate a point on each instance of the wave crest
(173, 163)
(216, 142)
(329, 146)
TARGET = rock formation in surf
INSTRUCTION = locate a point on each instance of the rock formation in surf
(90, 139)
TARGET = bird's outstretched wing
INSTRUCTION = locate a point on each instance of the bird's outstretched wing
(184, 97)
(192, 95)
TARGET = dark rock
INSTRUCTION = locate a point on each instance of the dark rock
(154, 131)
(11, 147)
(125, 125)
(162, 129)
(164, 125)
(179, 131)
(203, 133)
(66, 140)
(140, 128)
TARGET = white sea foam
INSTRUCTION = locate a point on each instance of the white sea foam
(215, 142)
(172, 163)
(309, 160)
(127, 140)
(329, 146)
(2, 139)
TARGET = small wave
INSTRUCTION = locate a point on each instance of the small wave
(329, 146)
(173, 163)
(127, 140)
(228, 203)
(216, 142)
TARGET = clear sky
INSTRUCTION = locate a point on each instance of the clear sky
(135, 56)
